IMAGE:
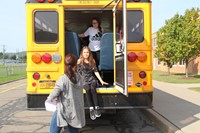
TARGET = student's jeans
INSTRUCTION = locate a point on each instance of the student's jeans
(56, 129)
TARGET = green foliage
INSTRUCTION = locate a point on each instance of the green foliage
(189, 38)
(179, 39)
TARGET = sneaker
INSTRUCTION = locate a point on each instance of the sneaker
(97, 112)
(92, 114)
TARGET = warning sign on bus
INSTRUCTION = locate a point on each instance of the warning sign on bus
(130, 78)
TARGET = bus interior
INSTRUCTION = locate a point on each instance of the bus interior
(76, 22)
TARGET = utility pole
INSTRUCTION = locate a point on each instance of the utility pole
(4, 50)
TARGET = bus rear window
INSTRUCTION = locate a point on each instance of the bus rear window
(135, 26)
(46, 27)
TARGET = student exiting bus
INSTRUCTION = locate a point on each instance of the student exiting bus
(87, 68)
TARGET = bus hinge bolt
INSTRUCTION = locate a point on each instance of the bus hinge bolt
(47, 76)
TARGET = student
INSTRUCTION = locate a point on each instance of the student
(87, 68)
(95, 33)
(69, 93)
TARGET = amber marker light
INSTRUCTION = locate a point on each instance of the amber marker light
(51, 1)
(36, 58)
(141, 56)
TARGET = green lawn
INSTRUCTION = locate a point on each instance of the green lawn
(178, 78)
(195, 89)
(12, 72)
(12, 77)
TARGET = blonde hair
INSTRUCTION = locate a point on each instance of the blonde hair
(90, 58)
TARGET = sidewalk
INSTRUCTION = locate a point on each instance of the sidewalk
(179, 106)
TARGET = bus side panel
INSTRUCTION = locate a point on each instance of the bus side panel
(38, 90)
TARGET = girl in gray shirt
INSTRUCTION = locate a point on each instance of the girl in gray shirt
(69, 93)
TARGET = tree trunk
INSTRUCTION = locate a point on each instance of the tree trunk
(168, 70)
(186, 68)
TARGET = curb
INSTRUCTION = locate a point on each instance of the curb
(160, 122)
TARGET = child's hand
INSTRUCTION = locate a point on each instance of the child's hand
(104, 83)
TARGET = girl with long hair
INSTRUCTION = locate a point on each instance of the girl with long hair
(86, 66)
(95, 33)
(69, 94)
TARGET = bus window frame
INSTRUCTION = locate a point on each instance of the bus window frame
(34, 33)
(143, 28)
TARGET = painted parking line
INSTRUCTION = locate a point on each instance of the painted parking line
(12, 88)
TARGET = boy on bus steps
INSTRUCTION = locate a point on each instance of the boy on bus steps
(86, 66)
(70, 107)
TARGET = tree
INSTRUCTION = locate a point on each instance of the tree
(179, 39)
(13, 57)
(166, 46)
(188, 39)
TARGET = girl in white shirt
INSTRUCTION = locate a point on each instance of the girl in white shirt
(95, 33)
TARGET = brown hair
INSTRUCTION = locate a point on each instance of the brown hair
(90, 58)
(70, 67)
(99, 24)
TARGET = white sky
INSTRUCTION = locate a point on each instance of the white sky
(13, 25)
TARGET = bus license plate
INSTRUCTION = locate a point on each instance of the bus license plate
(47, 84)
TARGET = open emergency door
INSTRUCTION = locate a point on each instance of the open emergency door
(120, 47)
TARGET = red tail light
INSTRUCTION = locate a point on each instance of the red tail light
(132, 57)
(40, 1)
(46, 58)
(36, 76)
(142, 74)
(144, 83)
(136, 0)
(33, 84)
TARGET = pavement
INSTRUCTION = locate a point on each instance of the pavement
(176, 109)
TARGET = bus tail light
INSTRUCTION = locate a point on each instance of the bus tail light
(132, 57)
(36, 76)
(144, 83)
(56, 57)
(36, 58)
(136, 0)
(141, 56)
(33, 84)
(40, 1)
(46, 58)
(51, 1)
(142, 74)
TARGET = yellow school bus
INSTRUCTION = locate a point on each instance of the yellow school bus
(125, 55)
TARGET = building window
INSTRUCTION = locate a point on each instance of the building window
(159, 63)
(181, 63)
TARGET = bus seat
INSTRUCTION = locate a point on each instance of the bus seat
(106, 52)
(72, 44)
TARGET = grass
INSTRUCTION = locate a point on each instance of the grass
(12, 77)
(13, 72)
(177, 78)
(195, 89)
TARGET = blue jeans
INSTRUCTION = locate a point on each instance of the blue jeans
(56, 129)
